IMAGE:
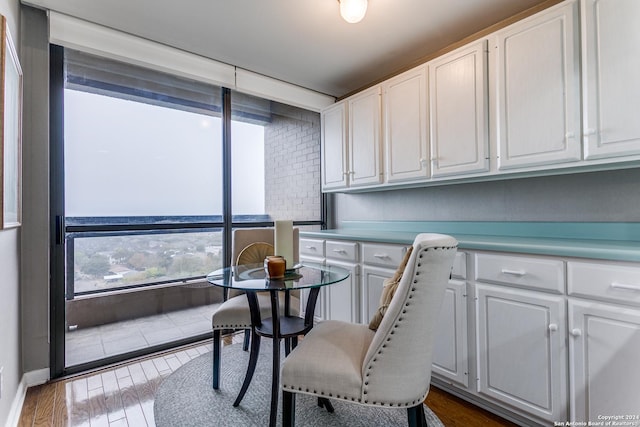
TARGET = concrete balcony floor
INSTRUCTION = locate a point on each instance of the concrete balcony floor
(94, 343)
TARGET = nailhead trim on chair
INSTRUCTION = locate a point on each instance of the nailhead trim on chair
(241, 325)
(370, 366)
(400, 318)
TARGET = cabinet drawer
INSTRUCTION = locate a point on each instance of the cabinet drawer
(612, 282)
(344, 251)
(538, 273)
(312, 247)
(383, 255)
(460, 266)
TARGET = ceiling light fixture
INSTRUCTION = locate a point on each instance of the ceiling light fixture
(353, 11)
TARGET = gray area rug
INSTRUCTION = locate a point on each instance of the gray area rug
(186, 398)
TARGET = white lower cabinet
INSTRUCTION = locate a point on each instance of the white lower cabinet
(522, 359)
(379, 262)
(604, 349)
(343, 299)
(372, 283)
(312, 251)
(339, 301)
(450, 360)
(450, 353)
(319, 312)
(521, 332)
(604, 341)
(534, 360)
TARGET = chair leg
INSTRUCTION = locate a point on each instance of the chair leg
(290, 344)
(245, 342)
(216, 359)
(323, 402)
(253, 360)
(288, 409)
(416, 417)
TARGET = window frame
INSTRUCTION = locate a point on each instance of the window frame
(62, 234)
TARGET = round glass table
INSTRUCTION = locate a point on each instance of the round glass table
(251, 278)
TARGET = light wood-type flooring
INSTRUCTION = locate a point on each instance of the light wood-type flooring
(123, 395)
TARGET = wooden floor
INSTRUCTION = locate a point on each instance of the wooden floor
(123, 396)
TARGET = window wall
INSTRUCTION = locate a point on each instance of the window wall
(151, 172)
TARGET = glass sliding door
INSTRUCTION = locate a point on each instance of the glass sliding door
(150, 174)
(142, 208)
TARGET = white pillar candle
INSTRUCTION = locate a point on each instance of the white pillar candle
(283, 241)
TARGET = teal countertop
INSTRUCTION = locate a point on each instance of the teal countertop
(609, 241)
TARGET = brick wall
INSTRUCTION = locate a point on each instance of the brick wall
(292, 164)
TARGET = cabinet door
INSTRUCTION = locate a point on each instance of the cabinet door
(611, 61)
(372, 283)
(603, 349)
(342, 299)
(450, 353)
(458, 112)
(365, 160)
(405, 124)
(538, 99)
(521, 350)
(319, 312)
(334, 147)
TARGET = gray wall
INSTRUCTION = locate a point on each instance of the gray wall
(10, 354)
(35, 238)
(9, 318)
(594, 196)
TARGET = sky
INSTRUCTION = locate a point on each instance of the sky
(125, 158)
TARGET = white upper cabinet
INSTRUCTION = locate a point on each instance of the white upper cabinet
(334, 147)
(537, 89)
(365, 159)
(405, 122)
(558, 89)
(611, 66)
(458, 111)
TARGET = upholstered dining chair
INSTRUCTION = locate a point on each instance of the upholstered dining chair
(389, 367)
(249, 245)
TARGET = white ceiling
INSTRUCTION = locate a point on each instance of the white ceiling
(304, 42)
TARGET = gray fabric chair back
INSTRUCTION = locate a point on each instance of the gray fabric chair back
(242, 237)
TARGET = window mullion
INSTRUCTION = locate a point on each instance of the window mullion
(226, 176)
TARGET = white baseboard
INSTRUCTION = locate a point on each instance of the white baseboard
(29, 379)
(38, 377)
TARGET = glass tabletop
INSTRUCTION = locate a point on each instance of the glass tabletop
(252, 277)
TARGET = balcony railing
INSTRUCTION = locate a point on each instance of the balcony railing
(106, 254)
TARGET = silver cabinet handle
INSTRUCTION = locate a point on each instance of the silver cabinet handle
(576, 332)
(340, 251)
(381, 256)
(313, 248)
(513, 272)
(553, 327)
(615, 285)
